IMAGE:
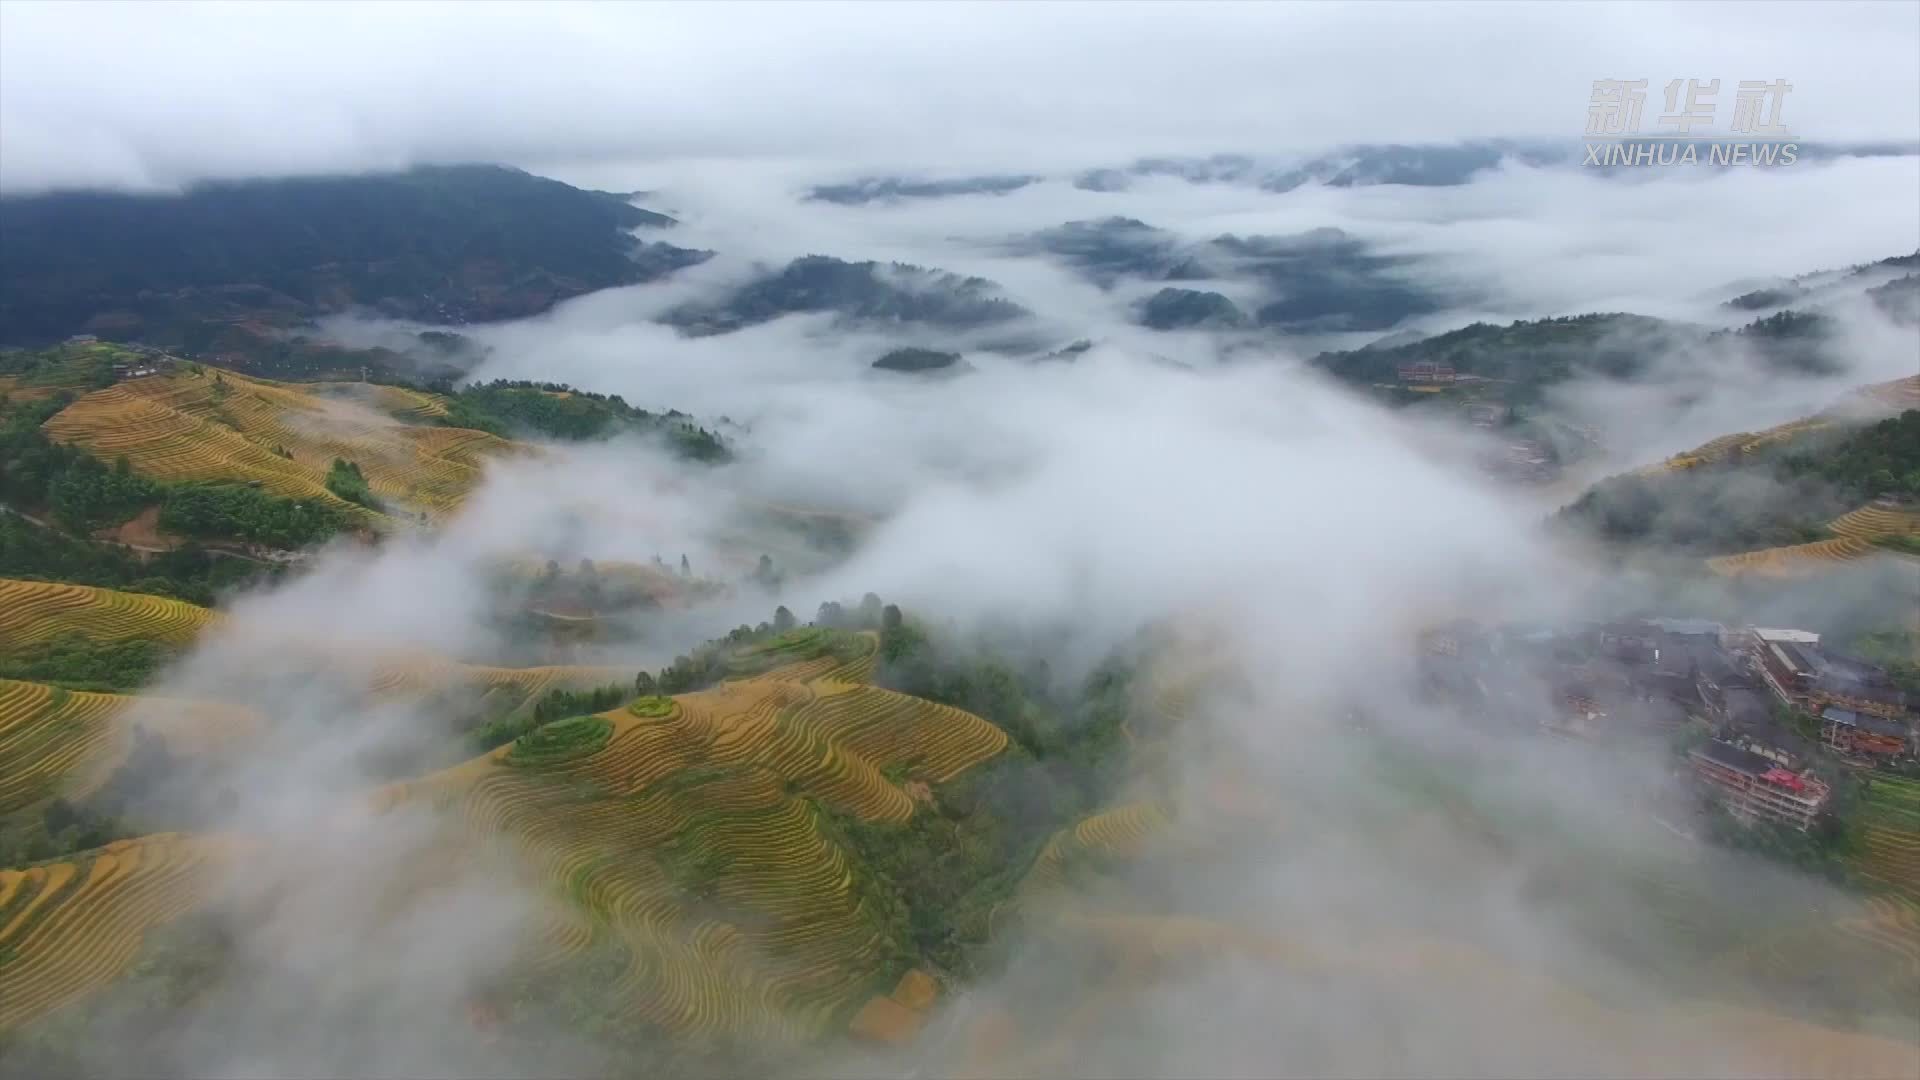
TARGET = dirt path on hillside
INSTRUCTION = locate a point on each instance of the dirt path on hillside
(141, 533)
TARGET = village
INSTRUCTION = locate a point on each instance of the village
(1755, 708)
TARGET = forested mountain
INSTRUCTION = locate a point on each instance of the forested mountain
(857, 292)
(1187, 309)
(1532, 354)
(888, 189)
(447, 244)
(1882, 279)
(1320, 280)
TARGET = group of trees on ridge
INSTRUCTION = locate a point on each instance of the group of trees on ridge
(510, 408)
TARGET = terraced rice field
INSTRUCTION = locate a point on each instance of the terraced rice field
(68, 928)
(1717, 450)
(46, 735)
(1898, 395)
(35, 611)
(1785, 433)
(412, 406)
(1797, 560)
(227, 427)
(32, 612)
(1891, 836)
(1875, 520)
(1891, 926)
(60, 742)
(692, 839)
(1868, 402)
(1740, 444)
(418, 672)
(1118, 833)
(1855, 536)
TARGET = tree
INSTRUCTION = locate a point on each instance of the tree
(830, 614)
(763, 573)
(782, 619)
(890, 617)
(686, 568)
(643, 683)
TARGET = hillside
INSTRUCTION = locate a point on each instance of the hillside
(60, 743)
(186, 424)
(556, 411)
(747, 871)
(693, 850)
(1826, 488)
(445, 244)
(1525, 356)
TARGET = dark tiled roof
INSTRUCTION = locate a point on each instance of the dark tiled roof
(1733, 757)
(1865, 722)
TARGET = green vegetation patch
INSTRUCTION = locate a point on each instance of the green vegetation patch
(557, 411)
(1904, 544)
(247, 513)
(561, 741)
(345, 480)
(72, 661)
(514, 721)
(653, 707)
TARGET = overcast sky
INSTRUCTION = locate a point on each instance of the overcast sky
(155, 95)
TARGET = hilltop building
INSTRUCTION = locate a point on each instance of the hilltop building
(1755, 788)
(1426, 371)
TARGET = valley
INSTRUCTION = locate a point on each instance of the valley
(852, 599)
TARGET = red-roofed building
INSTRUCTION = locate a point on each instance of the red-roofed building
(1756, 789)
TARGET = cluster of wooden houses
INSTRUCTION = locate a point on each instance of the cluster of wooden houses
(1753, 686)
